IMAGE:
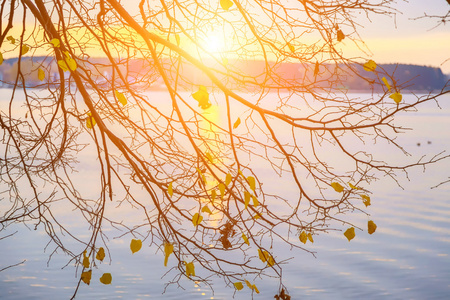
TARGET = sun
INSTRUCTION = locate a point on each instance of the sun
(214, 43)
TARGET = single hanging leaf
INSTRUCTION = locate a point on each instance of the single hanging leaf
(350, 233)
(86, 277)
(255, 289)
(228, 179)
(222, 190)
(237, 123)
(340, 35)
(353, 187)
(85, 260)
(371, 226)
(202, 97)
(397, 97)
(245, 238)
(310, 238)
(316, 69)
(269, 259)
(292, 48)
(25, 49)
(213, 195)
(252, 182)
(121, 98)
(62, 64)
(249, 285)
(1, 58)
(100, 254)
(196, 219)
(71, 63)
(209, 157)
(238, 285)
(41, 74)
(55, 42)
(337, 187)
(168, 249)
(247, 197)
(261, 255)
(255, 201)
(177, 39)
(190, 269)
(226, 4)
(386, 83)
(366, 200)
(106, 278)
(11, 40)
(206, 209)
(90, 121)
(135, 245)
(370, 66)
(303, 237)
(170, 189)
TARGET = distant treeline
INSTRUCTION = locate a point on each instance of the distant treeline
(349, 77)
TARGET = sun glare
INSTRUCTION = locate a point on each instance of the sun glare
(214, 43)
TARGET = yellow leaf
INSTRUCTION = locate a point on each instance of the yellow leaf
(255, 289)
(11, 40)
(170, 189)
(222, 189)
(228, 179)
(370, 66)
(255, 201)
(41, 74)
(1, 58)
(106, 278)
(366, 200)
(245, 238)
(237, 123)
(337, 187)
(121, 98)
(257, 216)
(71, 63)
(316, 68)
(85, 260)
(238, 285)
(249, 285)
(246, 198)
(292, 48)
(350, 233)
(397, 97)
(196, 219)
(177, 39)
(55, 42)
(353, 187)
(261, 255)
(371, 227)
(202, 97)
(90, 121)
(86, 277)
(25, 49)
(303, 237)
(168, 249)
(62, 64)
(226, 4)
(213, 195)
(209, 157)
(310, 238)
(340, 35)
(206, 209)
(135, 245)
(100, 254)
(386, 83)
(251, 182)
(269, 259)
(190, 269)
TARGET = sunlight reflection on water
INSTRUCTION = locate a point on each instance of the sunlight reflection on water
(407, 258)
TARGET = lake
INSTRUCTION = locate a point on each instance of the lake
(408, 257)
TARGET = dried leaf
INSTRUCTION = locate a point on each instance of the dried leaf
(190, 269)
(245, 238)
(25, 49)
(366, 200)
(121, 98)
(41, 74)
(303, 237)
(85, 260)
(226, 4)
(238, 285)
(237, 123)
(170, 189)
(100, 254)
(135, 245)
(370, 66)
(106, 278)
(337, 187)
(168, 249)
(247, 197)
(55, 42)
(310, 238)
(397, 97)
(86, 277)
(202, 97)
(222, 189)
(206, 209)
(90, 121)
(371, 226)
(252, 182)
(350, 233)
(386, 83)
(340, 35)
(228, 179)
(196, 219)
